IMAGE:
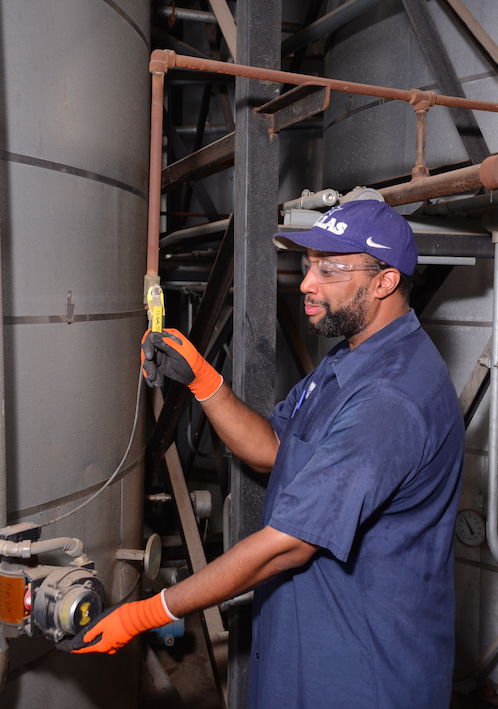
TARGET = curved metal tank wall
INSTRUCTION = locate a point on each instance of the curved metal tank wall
(369, 140)
(74, 137)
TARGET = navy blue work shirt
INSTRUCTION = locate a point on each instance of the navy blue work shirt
(369, 469)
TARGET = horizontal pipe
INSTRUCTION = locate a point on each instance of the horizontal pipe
(447, 260)
(193, 232)
(453, 182)
(167, 59)
(181, 13)
(26, 549)
(466, 204)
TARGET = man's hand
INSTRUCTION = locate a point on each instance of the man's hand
(170, 354)
(117, 626)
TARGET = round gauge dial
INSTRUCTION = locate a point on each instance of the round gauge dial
(470, 528)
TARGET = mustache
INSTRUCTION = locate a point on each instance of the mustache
(308, 300)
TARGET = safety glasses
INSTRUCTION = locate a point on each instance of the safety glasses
(325, 271)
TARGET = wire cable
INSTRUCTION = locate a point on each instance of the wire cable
(113, 477)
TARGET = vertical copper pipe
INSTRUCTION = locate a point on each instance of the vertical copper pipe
(156, 147)
(420, 169)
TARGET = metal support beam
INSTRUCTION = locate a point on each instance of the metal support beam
(435, 53)
(295, 105)
(207, 161)
(476, 386)
(432, 280)
(476, 32)
(214, 631)
(298, 58)
(227, 24)
(335, 19)
(180, 151)
(205, 320)
(255, 284)
(213, 40)
(293, 338)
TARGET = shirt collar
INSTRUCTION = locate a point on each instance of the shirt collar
(353, 361)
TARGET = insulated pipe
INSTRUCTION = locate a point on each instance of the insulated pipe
(166, 58)
(453, 182)
(312, 200)
(26, 549)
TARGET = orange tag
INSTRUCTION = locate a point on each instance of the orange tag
(12, 591)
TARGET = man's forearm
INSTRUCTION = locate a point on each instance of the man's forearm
(245, 432)
(249, 563)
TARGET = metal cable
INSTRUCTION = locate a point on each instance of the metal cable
(110, 480)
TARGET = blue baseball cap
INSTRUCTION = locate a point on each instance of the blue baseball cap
(364, 226)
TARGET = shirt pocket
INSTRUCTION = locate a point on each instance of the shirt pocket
(298, 453)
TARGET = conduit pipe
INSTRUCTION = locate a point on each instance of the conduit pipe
(156, 144)
(490, 221)
(164, 59)
(26, 548)
(421, 188)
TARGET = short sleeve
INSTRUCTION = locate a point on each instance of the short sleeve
(371, 452)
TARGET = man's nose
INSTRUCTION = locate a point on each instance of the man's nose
(309, 284)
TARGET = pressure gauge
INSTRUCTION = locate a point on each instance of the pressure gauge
(470, 528)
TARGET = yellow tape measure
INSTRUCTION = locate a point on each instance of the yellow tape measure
(155, 300)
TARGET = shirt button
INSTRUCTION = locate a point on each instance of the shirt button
(257, 656)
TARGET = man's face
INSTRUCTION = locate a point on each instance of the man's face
(340, 308)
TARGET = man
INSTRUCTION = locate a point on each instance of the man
(353, 563)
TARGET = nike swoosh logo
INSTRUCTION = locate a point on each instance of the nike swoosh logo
(371, 242)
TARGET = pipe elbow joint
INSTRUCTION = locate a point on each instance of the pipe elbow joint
(161, 60)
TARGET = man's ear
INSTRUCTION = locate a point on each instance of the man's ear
(387, 282)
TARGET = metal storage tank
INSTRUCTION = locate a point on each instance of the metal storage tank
(74, 141)
(368, 142)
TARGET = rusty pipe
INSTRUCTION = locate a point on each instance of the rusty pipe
(168, 58)
(156, 150)
(453, 182)
(420, 170)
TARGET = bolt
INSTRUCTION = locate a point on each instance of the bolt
(169, 640)
(58, 596)
(58, 635)
(88, 584)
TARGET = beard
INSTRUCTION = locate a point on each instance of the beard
(346, 321)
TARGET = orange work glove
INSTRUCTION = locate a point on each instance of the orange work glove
(117, 626)
(171, 354)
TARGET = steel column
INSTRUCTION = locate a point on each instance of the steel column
(255, 284)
